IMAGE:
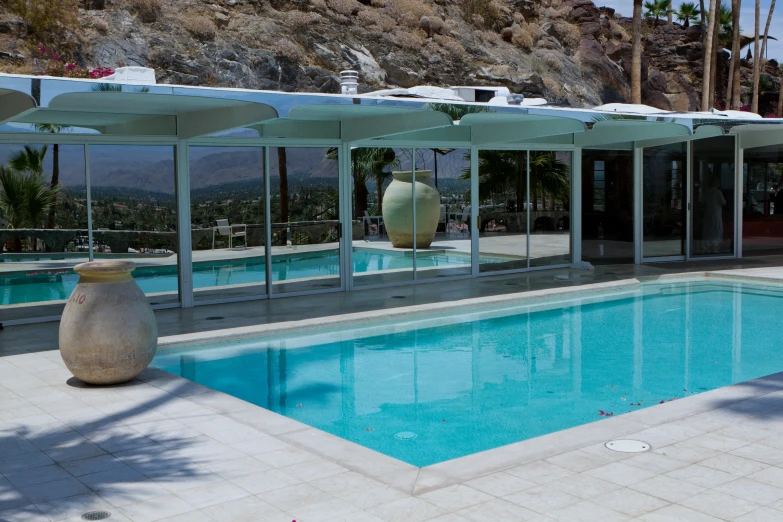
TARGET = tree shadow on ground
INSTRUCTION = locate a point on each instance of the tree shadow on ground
(125, 452)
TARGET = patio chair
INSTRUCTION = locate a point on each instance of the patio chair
(368, 220)
(223, 228)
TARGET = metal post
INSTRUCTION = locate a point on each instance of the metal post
(575, 217)
(638, 210)
(413, 198)
(345, 212)
(268, 225)
(89, 199)
(474, 203)
(688, 200)
(527, 192)
(739, 188)
(185, 252)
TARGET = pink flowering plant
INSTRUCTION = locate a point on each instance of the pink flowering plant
(56, 65)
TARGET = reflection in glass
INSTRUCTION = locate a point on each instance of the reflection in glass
(713, 196)
(550, 219)
(762, 207)
(376, 260)
(228, 215)
(304, 207)
(607, 206)
(134, 213)
(448, 173)
(43, 226)
(664, 201)
(503, 204)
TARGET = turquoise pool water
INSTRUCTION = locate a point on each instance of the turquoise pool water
(57, 284)
(480, 382)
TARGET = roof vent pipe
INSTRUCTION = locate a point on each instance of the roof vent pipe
(349, 82)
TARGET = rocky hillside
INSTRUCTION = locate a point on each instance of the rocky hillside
(568, 51)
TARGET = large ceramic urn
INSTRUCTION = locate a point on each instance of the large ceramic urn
(108, 332)
(398, 209)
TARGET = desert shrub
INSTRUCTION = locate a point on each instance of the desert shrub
(100, 25)
(299, 19)
(146, 11)
(344, 7)
(478, 21)
(200, 27)
(487, 9)
(318, 5)
(519, 18)
(568, 34)
(553, 85)
(288, 50)
(43, 17)
(553, 62)
(407, 39)
(522, 37)
(408, 12)
(376, 21)
(450, 46)
(507, 34)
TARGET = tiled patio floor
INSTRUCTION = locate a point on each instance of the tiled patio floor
(163, 448)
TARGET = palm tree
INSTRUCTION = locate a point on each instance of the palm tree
(720, 29)
(669, 12)
(706, 103)
(54, 129)
(688, 13)
(733, 91)
(766, 30)
(656, 9)
(368, 163)
(25, 197)
(28, 160)
(636, 54)
(702, 13)
(282, 170)
(761, 55)
(502, 176)
(754, 104)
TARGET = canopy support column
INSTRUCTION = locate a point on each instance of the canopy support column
(474, 205)
(575, 218)
(345, 213)
(638, 219)
(185, 246)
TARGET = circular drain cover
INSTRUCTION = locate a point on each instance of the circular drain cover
(96, 515)
(628, 446)
(405, 435)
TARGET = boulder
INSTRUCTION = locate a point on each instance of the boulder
(656, 81)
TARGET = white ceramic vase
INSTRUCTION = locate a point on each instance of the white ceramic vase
(398, 209)
(108, 331)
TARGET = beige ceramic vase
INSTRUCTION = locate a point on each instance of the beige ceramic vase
(398, 209)
(108, 332)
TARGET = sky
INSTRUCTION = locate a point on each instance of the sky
(747, 19)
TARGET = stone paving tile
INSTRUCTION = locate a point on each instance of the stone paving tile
(500, 484)
(496, 509)
(454, 498)
(762, 515)
(752, 491)
(407, 510)
(677, 513)
(701, 476)
(719, 505)
(667, 488)
(629, 502)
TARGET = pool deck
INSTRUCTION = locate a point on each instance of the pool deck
(164, 448)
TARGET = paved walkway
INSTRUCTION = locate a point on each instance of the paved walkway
(163, 448)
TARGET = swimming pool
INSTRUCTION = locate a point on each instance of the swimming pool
(57, 284)
(427, 391)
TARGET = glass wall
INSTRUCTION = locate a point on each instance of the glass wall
(382, 196)
(503, 205)
(664, 201)
(447, 171)
(550, 209)
(305, 222)
(43, 227)
(713, 189)
(607, 206)
(134, 213)
(511, 203)
(762, 201)
(228, 216)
